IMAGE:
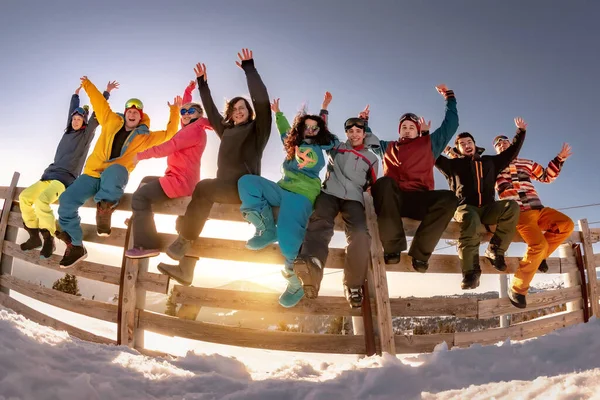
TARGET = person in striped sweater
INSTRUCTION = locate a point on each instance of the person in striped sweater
(514, 183)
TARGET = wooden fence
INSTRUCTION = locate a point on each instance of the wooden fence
(577, 262)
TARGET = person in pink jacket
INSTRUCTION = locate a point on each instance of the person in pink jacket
(183, 152)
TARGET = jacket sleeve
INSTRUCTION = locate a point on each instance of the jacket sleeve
(99, 103)
(187, 95)
(283, 125)
(548, 174)
(442, 135)
(260, 101)
(503, 159)
(158, 137)
(324, 114)
(444, 164)
(72, 106)
(213, 114)
(93, 121)
(186, 138)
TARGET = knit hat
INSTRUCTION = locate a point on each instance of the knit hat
(135, 104)
(412, 118)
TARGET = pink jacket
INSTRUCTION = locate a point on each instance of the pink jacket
(184, 153)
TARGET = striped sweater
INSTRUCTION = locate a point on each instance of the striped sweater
(514, 182)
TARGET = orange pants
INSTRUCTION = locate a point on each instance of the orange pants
(540, 245)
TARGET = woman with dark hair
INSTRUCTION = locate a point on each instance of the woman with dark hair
(243, 139)
(184, 153)
(294, 194)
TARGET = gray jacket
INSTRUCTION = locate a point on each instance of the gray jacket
(349, 171)
(72, 149)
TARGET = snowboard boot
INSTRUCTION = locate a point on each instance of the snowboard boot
(492, 253)
(471, 278)
(104, 210)
(48, 247)
(310, 272)
(420, 266)
(543, 267)
(140, 252)
(391, 258)
(183, 273)
(516, 299)
(266, 232)
(293, 292)
(354, 296)
(34, 241)
(179, 247)
(73, 255)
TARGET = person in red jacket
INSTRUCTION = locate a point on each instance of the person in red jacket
(184, 153)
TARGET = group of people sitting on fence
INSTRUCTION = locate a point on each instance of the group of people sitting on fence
(307, 207)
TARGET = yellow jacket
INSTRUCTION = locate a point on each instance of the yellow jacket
(140, 139)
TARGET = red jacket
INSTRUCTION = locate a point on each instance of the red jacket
(183, 152)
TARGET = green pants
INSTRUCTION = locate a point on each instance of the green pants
(504, 214)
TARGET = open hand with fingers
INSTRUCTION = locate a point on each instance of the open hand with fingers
(565, 152)
(246, 55)
(326, 100)
(364, 114)
(200, 70)
(110, 86)
(275, 105)
(520, 123)
(425, 125)
(177, 101)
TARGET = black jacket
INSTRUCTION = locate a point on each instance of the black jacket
(473, 178)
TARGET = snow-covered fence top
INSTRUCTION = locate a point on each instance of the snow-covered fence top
(134, 281)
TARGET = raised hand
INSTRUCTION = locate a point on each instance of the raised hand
(77, 90)
(565, 152)
(111, 86)
(442, 89)
(200, 70)
(364, 114)
(425, 126)
(275, 105)
(245, 56)
(520, 123)
(84, 78)
(326, 100)
(177, 101)
(192, 85)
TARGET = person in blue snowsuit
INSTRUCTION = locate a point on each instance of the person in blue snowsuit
(294, 194)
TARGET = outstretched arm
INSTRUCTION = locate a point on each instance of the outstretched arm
(283, 125)
(442, 135)
(503, 159)
(551, 172)
(212, 112)
(187, 93)
(193, 135)
(99, 103)
(73, 105)
(158, 137)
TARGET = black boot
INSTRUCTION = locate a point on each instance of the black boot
(420, 266)
(471, 278)
(73, 255)
(391, 258)
(517, 300)
(48, 247)
(543, 266)
(104, 210)
(310, 272)
(492, 254)
(34, 240)
(354, 296)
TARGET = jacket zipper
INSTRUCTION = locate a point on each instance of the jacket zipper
(479, 173)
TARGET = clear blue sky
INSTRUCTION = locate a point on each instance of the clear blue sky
(535, 59)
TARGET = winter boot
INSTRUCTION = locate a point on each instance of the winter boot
(492, 253)
(391, 258)
(183, 273)
(34, 240)
(471, 278)
(310, 272)
(104, 210)
(49, 246)
(293, 292)
(266, 232)
(517, 300)
(543, 267)
(420, 266)
(73, 255)
(354, 296)
(179, 247)
(140, 252)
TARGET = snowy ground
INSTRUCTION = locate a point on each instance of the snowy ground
(37, 362)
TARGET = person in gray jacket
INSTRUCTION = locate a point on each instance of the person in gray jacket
(34, 201)
(351, 169)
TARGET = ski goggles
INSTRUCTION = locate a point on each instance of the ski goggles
(354, 122)
(80, 111)
(410, 117)
(134, 103)
(311, 128)
(499, 139)
(190, 111)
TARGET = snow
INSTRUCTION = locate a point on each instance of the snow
(37, 362)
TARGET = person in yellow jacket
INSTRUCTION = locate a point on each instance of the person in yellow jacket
(107, 169)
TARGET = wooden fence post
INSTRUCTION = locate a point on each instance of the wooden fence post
(7, 232)
(590, 265)
(382, 299)
(570, 278)
(503, 279)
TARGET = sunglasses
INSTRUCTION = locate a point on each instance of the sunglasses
(351, 122)
(190, 111)
(311, 128)
(134, 103)
(80, 111)
(499, 140)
